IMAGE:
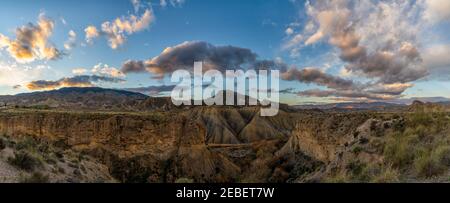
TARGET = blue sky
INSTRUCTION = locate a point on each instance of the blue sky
(265, 27)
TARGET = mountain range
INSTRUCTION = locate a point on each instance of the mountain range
(96, 98)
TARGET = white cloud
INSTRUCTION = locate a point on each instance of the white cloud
(31, 42)
(79, 71)
(63, 21)
(91, 33)
(101, 70)
(16, 74)
(345, 73)
(105, 70)
(174, 3)
(136, 5)
(116, 31)
(163, 3)
(71, 42)
(438, 56)
(294, 41)
(378, 42)
(437, 10)
(289, 31)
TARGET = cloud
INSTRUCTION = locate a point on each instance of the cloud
(101, 70)
(294, 41)
(390, 58)
(136, 5)
(12, 74)
(269, 22)
(105, 70)
(344, 72)
(79, 71)
(174, 3)
(289, 31)
(377, 42)
(91, 33)
(340, 87)
(131, 66)
(360, 92)
(63, 21)
(289, 90)
(437, 10)
(389, 89)
(157, 90)
(350, 95)
(316, 76)
(116, 31)
(163, 3)
(31, 42)
(437, 56)
(184, 55)
(76, 81)
(71, 42)
(276, 64)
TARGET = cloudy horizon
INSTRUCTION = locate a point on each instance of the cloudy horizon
(327, 51)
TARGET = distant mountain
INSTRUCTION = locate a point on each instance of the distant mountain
(78, 98)
(95, 98)
(376, 105)
(409, 101)
(428, 107)
(350, 105)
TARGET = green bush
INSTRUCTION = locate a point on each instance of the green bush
(340, 177)
(427, 166)
(184, 180)
(357, 149)
(36, 177)
(422, 118)
(434, 162)
(24, 160)
(362, 172)
(387, 174)
(26, 143)
(357, 171)
(399, 152)
(442, 153)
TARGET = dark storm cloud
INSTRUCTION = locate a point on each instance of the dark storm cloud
(316, 76)
(184, 55)
(131, 66)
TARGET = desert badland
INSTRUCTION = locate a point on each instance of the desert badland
(331, 91)
(102, 135)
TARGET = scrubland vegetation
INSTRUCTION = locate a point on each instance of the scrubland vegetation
(418, 150)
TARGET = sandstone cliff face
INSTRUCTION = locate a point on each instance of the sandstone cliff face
(108, 136)
(322, 136)
(207, 144)
(155, 147)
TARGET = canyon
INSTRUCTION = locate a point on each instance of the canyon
(164, 143)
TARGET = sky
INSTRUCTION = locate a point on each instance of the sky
(326, 51)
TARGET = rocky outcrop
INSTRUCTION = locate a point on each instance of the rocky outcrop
(154, 147)
(207, 144)
(321, 136)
